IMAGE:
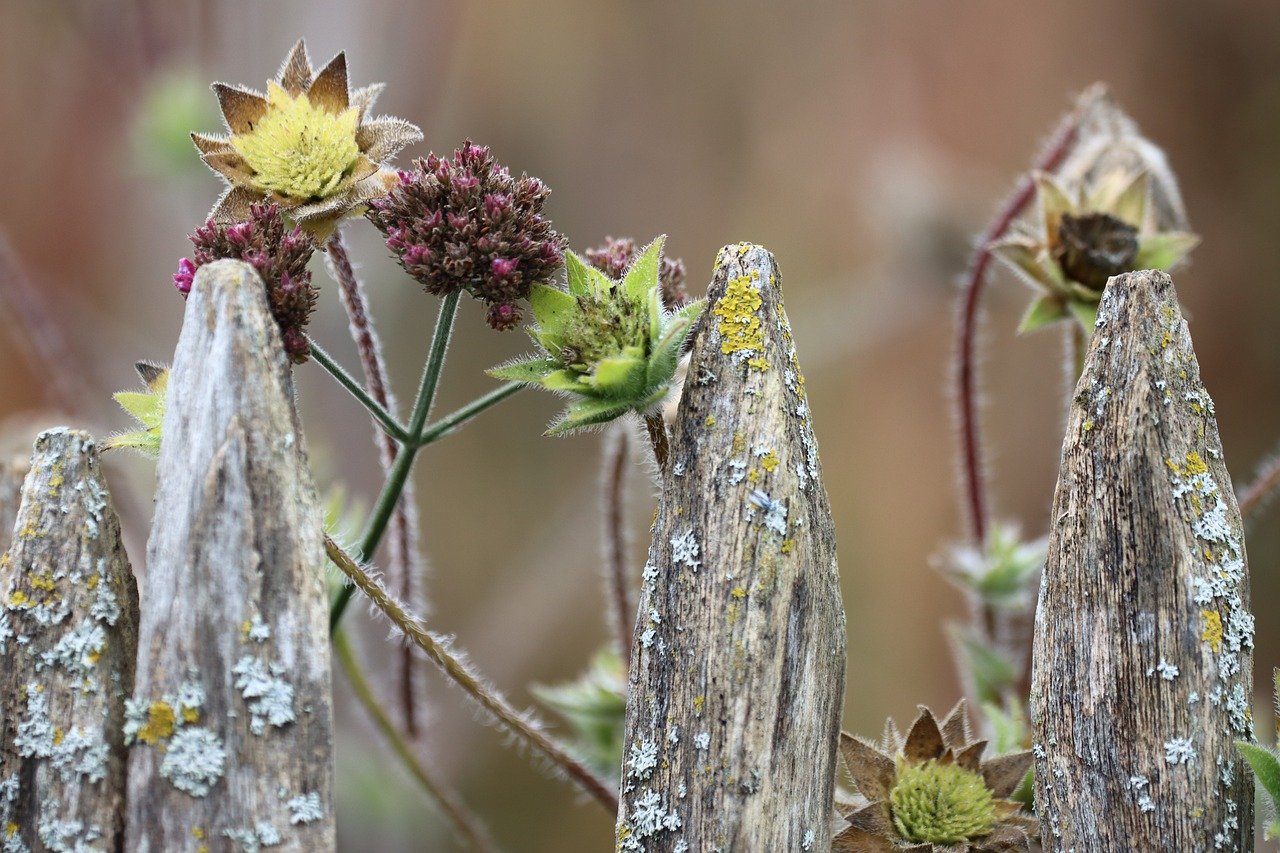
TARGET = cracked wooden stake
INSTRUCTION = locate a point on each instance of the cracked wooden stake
(68, 638)
(738, 659)
(231, 722)
(1142, 656)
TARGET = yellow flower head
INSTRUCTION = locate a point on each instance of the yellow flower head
(306, 145)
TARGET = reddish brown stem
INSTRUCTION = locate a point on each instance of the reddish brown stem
(975, 279)
(658, 438)
(402, 544)
(615, 534)
(1253, 496)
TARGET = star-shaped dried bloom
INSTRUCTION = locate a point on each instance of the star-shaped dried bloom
(307, 145)
(931, 792)
(1112, 207)
(616, 254)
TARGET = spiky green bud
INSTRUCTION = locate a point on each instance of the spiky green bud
(941, 803)
(145, 407)
(609, 344)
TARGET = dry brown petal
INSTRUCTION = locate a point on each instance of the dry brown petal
(211, 144)
(955, 728)
(1003, 838)
(241, 108)
(329, 90)
(233, 205)
(230, 165)
(872, 771)
(295, 74)
(1004, 773)
(873, 817)
(854, 840)
(381, 138)
(363, 99)
(970, 758)
(924, 741)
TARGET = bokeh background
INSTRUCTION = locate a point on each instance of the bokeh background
(864, 143)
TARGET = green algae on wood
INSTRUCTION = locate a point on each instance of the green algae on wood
(1143, 646)
(737, 673)
(68, 639)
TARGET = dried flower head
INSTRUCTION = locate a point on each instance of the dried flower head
(595, 706)
(609, 344)
(280, 256)
(463, 223)
(616, 254)
(931, 792)
(1112, 207)
(307, 145)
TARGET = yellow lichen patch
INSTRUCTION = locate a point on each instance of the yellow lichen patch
(93, 581)
(245, 627)
(18, 600)
(760, 363)
(1087, 425)
(698, 702)
(739, 324)
(1193, 466)
(197, 832)
(43, 582)
(11, 830)
(769, 461)
(753, 475)
(788, 545)
(1212, 632)
(738, 592)
(96, 655)
(739, 442)
(159, 725)
(58, 735)
(711, 420)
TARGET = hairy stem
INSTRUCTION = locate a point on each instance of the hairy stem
(398, 476)
(347, 381)
(462, 820)
(1254, 496)
(453, 420)
(522, 725)
(966, 330)
(403, 551)
(658, 438)
(615, 539)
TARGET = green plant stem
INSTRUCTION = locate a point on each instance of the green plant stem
(346, 380)
(521, 725)
(451, 806)
(403, 464)
(453, 420)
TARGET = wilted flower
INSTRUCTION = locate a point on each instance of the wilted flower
(145, 407)
(931, 792)
(616, 254)
(595, 706)
(307, 145)
(608, 344)
(279, 256)
(462, 223)
(1112, 207)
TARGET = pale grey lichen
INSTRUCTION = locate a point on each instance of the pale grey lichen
(305, 808)
(642, 759)
(77, 651)
(269, 697)
(259, 631)
(1180, 750)
(685, 549)
(194, 761)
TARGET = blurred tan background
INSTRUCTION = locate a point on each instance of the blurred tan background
(864, 143)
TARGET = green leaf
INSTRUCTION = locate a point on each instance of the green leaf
(145, 407)
(1043, 311)
(619, 376)
(991, 671)
(1130, 203)
(532, 370)
(1272, 830)
(579, 275)
(1163, 251)
(1266, 767)
(144, 440)
(585, 413)
(552, 307)
(1086, 314)
(564, 380)
(1054, 201)
(666, 354)
(642, 275)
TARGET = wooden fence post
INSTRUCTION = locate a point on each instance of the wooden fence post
(1142, 656)
(231, 722)
(738, 661)
(68, 639)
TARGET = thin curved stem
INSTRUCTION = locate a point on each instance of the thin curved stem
(657, 428)
(615, 540)
(347, 381)
(460, 818)
(523, 726)
(966, 329)
(404, 555)
(1254, 496)
(453, 420)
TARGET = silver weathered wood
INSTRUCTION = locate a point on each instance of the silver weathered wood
(1142, 655)
(738, 661)
(12, 473)
(68, 638)
(231, 722)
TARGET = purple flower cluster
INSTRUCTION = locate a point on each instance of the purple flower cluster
(279, 256)
(616, 253)
(463, 223)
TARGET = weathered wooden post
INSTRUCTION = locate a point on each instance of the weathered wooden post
(68, 638)
(231, 723)
(1142, 655)
(12, 473)
(738, 663)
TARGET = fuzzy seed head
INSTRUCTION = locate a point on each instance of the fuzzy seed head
(941, 803)
(299, 150)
